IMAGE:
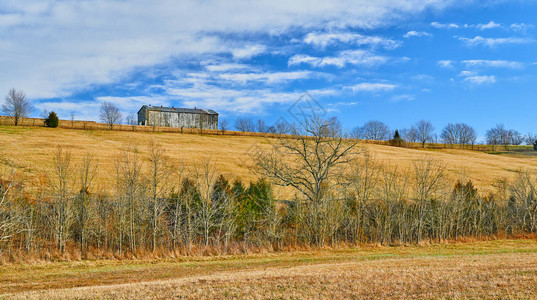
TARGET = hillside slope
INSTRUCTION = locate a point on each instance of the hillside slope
(32, 149)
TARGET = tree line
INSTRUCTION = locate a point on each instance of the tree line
(452, 134)
(17, 106)
(339, 194)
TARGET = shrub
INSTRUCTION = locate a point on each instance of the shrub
(52, 120)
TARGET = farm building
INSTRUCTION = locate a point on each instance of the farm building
(177, 117)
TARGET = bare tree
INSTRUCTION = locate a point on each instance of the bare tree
(244, 124)
(429, 175)
(467, 135)
(261, 127)
(374, 130)
(131, 119)
(223, 126)
(424, 130)
(88, 170)
(310, 161)
(62, 201)
(515, 137)
(158, 185)
(7, 220)
(110, 114)
(282, 127)
(72, 114)
(530, 139)
(501, 136)
(16, 105)
(459, 133)
(450, 134)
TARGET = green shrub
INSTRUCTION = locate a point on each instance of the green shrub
(52, 120)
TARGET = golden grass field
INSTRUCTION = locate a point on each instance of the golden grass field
(483, 269)
(489, 269)
(31, 149)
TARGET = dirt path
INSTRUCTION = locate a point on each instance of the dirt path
(497, 269)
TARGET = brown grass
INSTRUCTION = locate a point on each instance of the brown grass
(31, 150)
(490, 269)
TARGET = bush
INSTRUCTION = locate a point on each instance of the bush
(52, 120)
(535, 145)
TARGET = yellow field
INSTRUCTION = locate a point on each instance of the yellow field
(489, 269)
(31, 149)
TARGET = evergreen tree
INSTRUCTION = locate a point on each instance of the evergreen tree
(52, 120)
(396, 140)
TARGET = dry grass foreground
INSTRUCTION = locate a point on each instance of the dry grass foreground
(31, 149)
(491, 269)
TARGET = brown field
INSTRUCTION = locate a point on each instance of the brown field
(31, 149)
(485, 269)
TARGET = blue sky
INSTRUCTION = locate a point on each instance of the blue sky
(393, 61)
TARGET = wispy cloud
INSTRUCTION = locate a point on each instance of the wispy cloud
(56, 47)
(349, 57)
(448, 64)
(444, 26)
(324, 39)
(404, 97)
(493, 42)
(416, 34)
(493, 63)
(248, 51)
(225, 67)
(478, 80)
(266, 77)
(372, 87)
(489, 25)
(520, 27)
(473, 78)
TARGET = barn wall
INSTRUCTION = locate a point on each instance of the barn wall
(141, 116)
(185, 120)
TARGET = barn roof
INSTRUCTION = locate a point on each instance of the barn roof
(181, 110)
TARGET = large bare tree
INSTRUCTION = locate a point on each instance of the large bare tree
(372, 130)
(310, 160)
(244, 124)
(110, 114)
(424, 130)
(16, 105)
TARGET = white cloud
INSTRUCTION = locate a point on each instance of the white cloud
(268, 77)
(493, 63)
(489, 25)
(327, 38)
(372, 87)
(349, 57)
(493, 42)
(444, 26)
(248, 51)
(416, 34)
(52, 48)
(403, 97)
(475, 79)
(520, 27)
(478, 80)
(448, 64)
(225, 67)
(467, 73)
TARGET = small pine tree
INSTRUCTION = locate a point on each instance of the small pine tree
(52, 120)
(535, 145)
(396, 140)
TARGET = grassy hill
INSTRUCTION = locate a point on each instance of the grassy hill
(31, 149)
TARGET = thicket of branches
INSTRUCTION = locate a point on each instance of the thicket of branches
(341, 196)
